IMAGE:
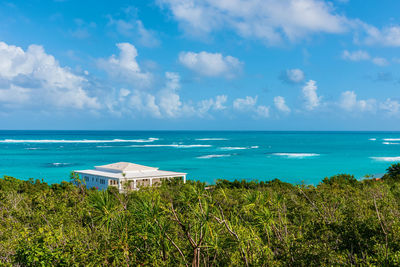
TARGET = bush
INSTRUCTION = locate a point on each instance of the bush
(340, 179)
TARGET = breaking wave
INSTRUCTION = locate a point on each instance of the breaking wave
(387, 159)
(372, 139)
(214, 156)
(391, 139)
(390, 143)
(237, 147)
(296, 155)
(80, 141)
(172, 145)
(59, 164)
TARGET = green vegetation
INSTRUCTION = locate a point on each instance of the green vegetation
(341, 221)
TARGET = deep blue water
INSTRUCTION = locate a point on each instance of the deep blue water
(290, 156)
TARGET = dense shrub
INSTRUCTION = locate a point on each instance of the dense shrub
(341, 221)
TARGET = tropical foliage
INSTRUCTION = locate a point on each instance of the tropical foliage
(341, 221)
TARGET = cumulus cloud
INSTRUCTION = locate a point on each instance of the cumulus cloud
(166, 102)
(211, 64)
(312, 100)
(292, 76)
(387, 36)
(217, 103)
(168, 98)
(361, 55)
(262, 111)
(245, 103)
(391, 106)
(249, 104)
(33, 77)
(280, 104)
(349, 102)
(125, 67)
(271, 21)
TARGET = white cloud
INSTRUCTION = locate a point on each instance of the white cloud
(212, 104)
(268, 20)
(134, 28)
(391, 106)
(125, 67)
(361, 55)
(312, 100)
(293, 76)
(349, 102)
(165, 103)
(33, 77)
(245, 103)
(14, 95)
(387, 36)
(146, 37)
(249, 104)
(168, 98)
(380, 61)
(211, 64)
(355, 55)
(280, 104)
(262, 111)
(143, 102)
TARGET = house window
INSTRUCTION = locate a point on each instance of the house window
(102, 181)
(86, 178)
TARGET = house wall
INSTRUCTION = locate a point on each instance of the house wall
(142, 183)
(98, 182)
(102, 183)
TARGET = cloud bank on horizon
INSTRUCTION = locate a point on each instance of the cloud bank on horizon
(209, 64)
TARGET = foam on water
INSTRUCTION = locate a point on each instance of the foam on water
(237, 147)
(387, 159)
(312, 155)
(214, 156)
(372, 139)
(391, 139)
(296, 155)
(233, 148)
(172, 145)
(390, 143)
(79, 141)
(60, 164)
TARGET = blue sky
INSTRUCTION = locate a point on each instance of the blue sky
(200, 65)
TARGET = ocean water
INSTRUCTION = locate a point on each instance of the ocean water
(293, 157)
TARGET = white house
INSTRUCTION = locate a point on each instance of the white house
(125, 175)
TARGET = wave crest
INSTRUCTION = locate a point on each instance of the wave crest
(171, 145)
(390, 143)
(386, 159)
(151, 139)
(214, 156)
(296, 155)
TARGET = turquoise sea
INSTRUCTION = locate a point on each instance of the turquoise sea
(205, 155)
